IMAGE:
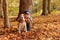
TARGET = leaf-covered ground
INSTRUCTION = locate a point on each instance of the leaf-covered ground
(43, 28)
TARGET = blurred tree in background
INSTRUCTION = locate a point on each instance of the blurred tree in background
(37, 6)
(49, 6)
(5, 12)
(44, 7)
(1, 9)
(24, 5)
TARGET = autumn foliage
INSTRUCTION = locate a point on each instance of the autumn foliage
(43, 28)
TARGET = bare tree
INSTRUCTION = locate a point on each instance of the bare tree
(1, 9)
(44, 7)
(49, 6)
(24, 5)
(5, 12)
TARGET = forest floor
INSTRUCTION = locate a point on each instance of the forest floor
(43, 28)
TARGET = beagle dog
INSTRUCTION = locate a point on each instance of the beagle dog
(22, 24)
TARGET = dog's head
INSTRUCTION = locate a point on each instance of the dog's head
(22, 17)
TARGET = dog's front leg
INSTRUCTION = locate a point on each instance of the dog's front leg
(19, 27)
(25, 27)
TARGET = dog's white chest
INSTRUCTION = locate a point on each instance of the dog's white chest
(22, 27)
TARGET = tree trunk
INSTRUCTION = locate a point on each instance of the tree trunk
(5, 12)
(44, 7)
(24, 5)
(49, 7)
(1, 9)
